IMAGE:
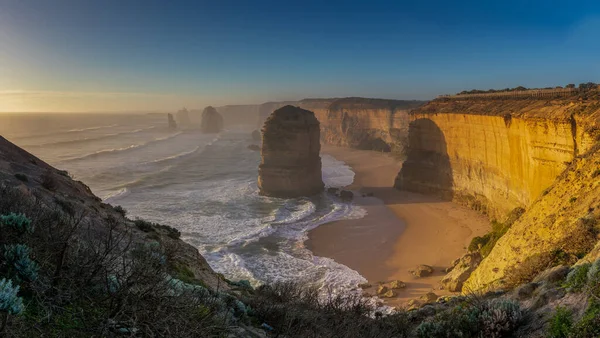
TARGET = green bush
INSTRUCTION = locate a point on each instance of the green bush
(577, 278)
(589, 325)
(561, 323)
(18, 264)
(18, 222)
(9, 301)
(120, 210)
(479, 318)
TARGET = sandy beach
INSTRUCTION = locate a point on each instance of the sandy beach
(400, 231)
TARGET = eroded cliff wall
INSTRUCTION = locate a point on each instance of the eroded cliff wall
(493, 154)
(497, 155)
(361, 123)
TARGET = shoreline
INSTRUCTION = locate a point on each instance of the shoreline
(400, 231)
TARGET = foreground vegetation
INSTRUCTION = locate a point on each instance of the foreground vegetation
(68, 272)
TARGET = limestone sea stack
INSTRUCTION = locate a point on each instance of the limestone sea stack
(212, 121)
(290, 162)
(171, 121)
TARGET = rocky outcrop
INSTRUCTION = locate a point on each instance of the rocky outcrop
(171, 121)
(290, 162)
(460, 271)
(212, 121)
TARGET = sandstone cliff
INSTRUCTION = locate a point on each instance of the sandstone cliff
(361, 123)
(239, 114)
(497, 155)
(290, 162)
(212, 121)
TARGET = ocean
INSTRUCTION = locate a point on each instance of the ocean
(202, 184)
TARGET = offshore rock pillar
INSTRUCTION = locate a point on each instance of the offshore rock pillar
(290, 162)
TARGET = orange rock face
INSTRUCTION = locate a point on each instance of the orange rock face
(290, 162)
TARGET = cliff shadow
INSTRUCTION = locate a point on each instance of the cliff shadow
(427, 169)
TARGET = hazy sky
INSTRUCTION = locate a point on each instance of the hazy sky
(84, 55)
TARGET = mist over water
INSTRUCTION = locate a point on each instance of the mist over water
(202, 184)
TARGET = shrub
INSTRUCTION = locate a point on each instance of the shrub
(561, 323)
(18, 264)
(479, 241)
(593, 279)
(143, 225)
(589, 325)
(18, 222)
(120, 210)
(487, 318)
(528, 269)
(577, 278)
(49, 181)
(22, 177)
(500, 317)
(572, 199)
(9, 301)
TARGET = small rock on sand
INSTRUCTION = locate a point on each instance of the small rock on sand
(422, 271)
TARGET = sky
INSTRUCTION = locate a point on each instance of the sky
(85, 55)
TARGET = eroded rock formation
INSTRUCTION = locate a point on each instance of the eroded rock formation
(183, 117)
(212, 121)
(171, 121)
(290, 162)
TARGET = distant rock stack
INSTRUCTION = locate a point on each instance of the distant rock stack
(172, 124)
(256, 135)
(212, 121)
(183, 117)
(290, 162)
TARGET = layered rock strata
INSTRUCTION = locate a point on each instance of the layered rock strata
(290, 162)
(493, 154)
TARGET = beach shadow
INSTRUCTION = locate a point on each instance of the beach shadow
(392, 196)
(427, 168)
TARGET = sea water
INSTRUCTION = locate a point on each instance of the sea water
(202, 184)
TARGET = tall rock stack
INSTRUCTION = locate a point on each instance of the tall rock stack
(183, 117)
(171, 121)
(212, 121)
(290, 162)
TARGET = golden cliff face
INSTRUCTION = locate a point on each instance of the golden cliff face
(500, 154)
(370, 124)
(497, 161)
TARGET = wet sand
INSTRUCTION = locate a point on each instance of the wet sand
(400, 231)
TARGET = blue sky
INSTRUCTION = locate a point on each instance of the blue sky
(83, 55)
